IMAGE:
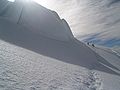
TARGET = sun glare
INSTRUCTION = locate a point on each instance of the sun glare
(11, 0)
(45, 3)
(21, 0)
(41, 2)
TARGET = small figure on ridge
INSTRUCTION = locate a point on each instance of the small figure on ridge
(93, 45)
(88, 43)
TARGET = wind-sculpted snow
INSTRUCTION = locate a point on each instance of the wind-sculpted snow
(22, 69)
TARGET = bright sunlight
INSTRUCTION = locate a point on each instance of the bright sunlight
(46, 3)
(11, 0)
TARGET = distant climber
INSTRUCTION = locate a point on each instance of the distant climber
(88, 43)
(93, 45)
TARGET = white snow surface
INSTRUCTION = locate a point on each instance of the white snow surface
(109, 81)
(21, 69)
(39, 52)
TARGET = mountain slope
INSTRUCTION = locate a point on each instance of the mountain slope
(69, 51)
(21, 69)
(45, 54)
(113, 59)
(35, 17)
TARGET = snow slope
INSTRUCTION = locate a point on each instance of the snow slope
(21, 69)
(110, 81)
(109, 55)
(69, 51)
(72, 52)
(46, 56)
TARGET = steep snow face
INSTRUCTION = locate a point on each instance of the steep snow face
(38, 29)
(70, 52)
(73, 52)
(36, 18)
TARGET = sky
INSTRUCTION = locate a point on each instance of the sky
(95, 21)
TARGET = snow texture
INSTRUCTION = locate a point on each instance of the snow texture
(22, 69)
(109, 81)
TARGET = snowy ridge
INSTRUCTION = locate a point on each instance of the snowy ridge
(70, 52)
(67, 28)
(37, 18)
